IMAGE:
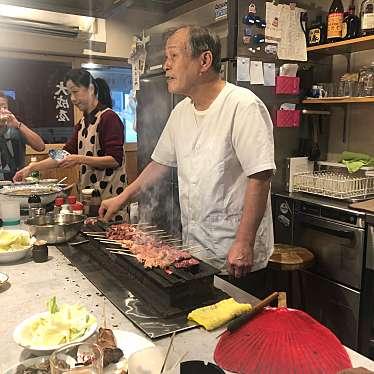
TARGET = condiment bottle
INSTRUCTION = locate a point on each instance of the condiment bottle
(86, 197)
(65, 209)
(77, 208)
(72, 199)
(40, 251)
(35, 205)
(59, 201)
(95, 204)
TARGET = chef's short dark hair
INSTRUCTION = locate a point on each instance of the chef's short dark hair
(201, 39)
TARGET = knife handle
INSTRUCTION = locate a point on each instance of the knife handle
(241, 320)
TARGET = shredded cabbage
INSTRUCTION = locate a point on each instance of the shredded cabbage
(61, 325)
(13, 240)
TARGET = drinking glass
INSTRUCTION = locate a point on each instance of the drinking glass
(77, 358)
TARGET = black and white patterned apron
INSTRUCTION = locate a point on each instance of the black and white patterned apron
(109, 182)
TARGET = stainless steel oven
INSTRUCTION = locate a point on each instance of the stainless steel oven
(367, 304)
(332, 287)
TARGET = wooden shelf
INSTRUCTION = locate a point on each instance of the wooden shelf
(346, 46)
(348, 100)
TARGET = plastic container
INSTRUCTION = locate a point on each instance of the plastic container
(86, 197)
(10, 212)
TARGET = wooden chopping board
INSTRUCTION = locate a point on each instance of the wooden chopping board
(367, 206)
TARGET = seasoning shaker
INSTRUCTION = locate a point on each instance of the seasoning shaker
(40, 251)
(86, 197)
(35, 206)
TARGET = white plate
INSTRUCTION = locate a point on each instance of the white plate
(21, 336)
(27, 363)
(3, 278)
(129, 343)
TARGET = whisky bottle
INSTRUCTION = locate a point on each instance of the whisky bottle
(367, 17)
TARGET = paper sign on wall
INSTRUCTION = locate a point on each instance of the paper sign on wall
(256, 73)
(269, 74)
(242, 73)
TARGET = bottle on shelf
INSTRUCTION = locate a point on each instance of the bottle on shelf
(335, 22)
(367, 17)
(351, 23)
(316, 33)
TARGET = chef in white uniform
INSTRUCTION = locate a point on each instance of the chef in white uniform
(221, 139)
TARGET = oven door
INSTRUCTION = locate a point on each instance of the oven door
(338, 248)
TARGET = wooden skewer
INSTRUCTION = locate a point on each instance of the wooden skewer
(122, 253)
(154, 231)
(110, 241)
(118, 249)
(167, 353)
(93, 232)
(182, 356)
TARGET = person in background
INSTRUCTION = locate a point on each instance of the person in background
(14, 135)
(98, 142)
(220, 137)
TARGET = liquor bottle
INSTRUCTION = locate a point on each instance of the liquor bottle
(316, 33)
(335, 21)
(351, 23)
(367, 17)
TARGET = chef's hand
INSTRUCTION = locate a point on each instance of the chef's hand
(69, 161)
(22, 174)
(110, 207)
(239, 259)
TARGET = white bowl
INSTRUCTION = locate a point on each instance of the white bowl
(12, 256)
(150, 361)
(22, 336)
(17, 254)
(3, 278)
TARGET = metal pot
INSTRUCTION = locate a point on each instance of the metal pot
(22, 193)
(55, 229)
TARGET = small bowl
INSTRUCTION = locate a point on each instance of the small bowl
(22, 335)
(150, 361)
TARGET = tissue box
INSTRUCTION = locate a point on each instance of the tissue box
(288, 118)
(287, 85)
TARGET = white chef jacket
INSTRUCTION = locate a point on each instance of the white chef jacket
(215, 151)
